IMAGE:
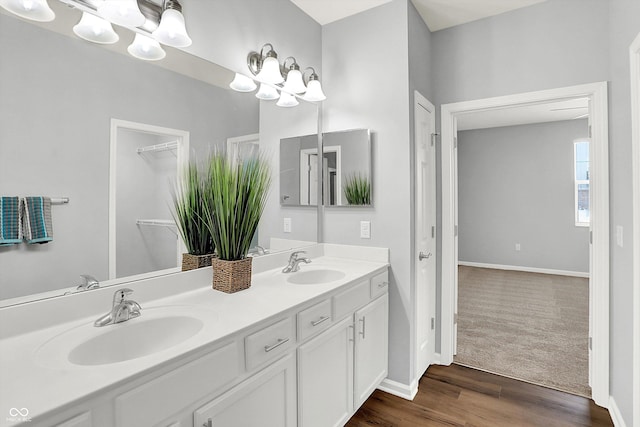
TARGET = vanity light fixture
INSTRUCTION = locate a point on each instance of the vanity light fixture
(267, 93)
(35, 10)
(146, 48)
(269, 72)
(242, 83)
(122, 12)
(172, 31)
(95, 29)
(294, 83)
(314, 88)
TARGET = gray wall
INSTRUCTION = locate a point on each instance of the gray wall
(365, 65)
(58, 97)
(515, 185)
(553, 44)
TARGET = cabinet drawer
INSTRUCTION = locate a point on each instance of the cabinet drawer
(164, 396)
(348, 301)
(82, 420)
(269, 343)
(379, 284)
(314, 319)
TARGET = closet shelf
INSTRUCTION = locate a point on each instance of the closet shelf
(165, 146)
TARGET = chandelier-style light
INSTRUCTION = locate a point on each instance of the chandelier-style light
(282, 82)
(122, 12)
(95, 29)
(172, 30)
(146, 48)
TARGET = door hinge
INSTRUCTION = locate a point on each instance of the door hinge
(434, 138)
(590, 343)
(433, 231)
(455, 142)
(591, 237)
(455, 231)
(433, 323)
(455, 318)
(589, 131)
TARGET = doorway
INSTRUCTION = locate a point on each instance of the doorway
(425, 234)
(596, 93)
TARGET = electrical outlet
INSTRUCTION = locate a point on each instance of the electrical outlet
(287, 225)
(517, 247)
(365, 229)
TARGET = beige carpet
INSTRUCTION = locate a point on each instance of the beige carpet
(529, 326)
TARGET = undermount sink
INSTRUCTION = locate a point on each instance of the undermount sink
(139, 338)
(315, 277)
(157, 329)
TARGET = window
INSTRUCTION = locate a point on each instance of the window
(581, 178)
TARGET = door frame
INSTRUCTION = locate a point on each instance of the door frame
(182, 158)
(420, 101)
(599, 188)
(305, 153)
(634, 52)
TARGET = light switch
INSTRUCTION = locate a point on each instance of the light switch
(365, 229)
(619, 235)
(517, 246)
(287, 225)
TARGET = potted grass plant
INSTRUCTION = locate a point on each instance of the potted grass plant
(357, 189)
(190, 219)
(234, 201)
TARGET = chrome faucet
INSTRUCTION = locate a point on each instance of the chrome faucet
(294, 262)
(88, 282)
(122, 309)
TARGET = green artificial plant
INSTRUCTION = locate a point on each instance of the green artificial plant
(357, 189)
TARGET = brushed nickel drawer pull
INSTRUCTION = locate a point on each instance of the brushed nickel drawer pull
(363, 320)
(320, 320)
(209, 423)
(268, 348)
(383, 284)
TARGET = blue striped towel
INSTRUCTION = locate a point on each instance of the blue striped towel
(10, 221)
(36, 219)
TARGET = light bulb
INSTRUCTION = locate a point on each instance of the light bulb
(122, 12)
(242, 83)
(314, 92)
(267, 93)
(270, 72)
(172, 30)
(287, 100)
(95, 29)
(35, 10)
(294, 83)
(146, 48)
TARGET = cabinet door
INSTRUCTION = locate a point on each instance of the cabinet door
(371, 348)
(267, 399)
(325, 377)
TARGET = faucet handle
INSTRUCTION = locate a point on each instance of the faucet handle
(121, 294)
(294, 255)
(88, 282)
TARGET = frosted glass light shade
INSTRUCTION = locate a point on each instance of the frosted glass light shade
(267, 93)
(294, 83)
(270, 72)
(314, 92)
(95, 29)
(242, 83)
(35, 10)
(287, 100)
(122, 12)
(172, 30)
(146, 48)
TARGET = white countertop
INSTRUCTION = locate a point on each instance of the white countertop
(29, 379)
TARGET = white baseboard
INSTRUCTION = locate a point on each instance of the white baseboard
(404, 391)
(526, 269)
(616, 417)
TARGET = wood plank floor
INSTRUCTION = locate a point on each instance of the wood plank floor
(460, 396)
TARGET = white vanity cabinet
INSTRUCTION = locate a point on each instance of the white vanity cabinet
(340, 368)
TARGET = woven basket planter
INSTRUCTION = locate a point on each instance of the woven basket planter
(191, 262)
(231, 276)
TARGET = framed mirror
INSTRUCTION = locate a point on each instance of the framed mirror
(346, 169)
(60, 96)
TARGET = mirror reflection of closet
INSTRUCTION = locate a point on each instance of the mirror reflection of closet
(145, 162)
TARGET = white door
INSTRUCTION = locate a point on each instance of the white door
(425, 243)
(241, 147)
(371, 348)
(325, 377)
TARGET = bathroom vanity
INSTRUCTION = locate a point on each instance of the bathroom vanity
(304, 348)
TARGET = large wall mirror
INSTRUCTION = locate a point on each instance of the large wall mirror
(345, 164)
(59, 98)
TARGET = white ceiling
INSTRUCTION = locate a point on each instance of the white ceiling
(438, 14)
(512, 116)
